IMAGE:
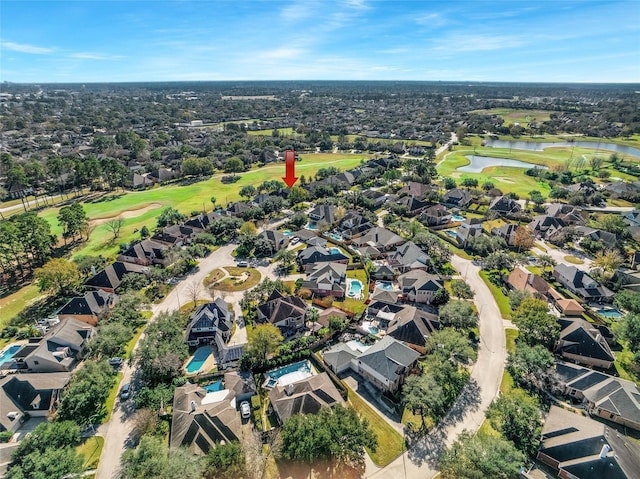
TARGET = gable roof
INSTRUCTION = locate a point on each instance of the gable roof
(581, 282)
(379, 237)
(504, 205)
(111, 276)
(334, 273)
(418, 280)
(318, 254)
(409, 255)
(388, 356)
(93, 303)
(457, 196)
(413, 326)
(279, 308)
(526, 281)
(63, 343)
(580, 338)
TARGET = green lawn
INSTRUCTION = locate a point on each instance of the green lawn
(501, 299)
(511, 335)
(511, 116)
(108, 405)
(132, 342)
(234, 284)
(390, 442)
(11, 305)
(351, 304)
(573, 260)
(506, 385)
(91, 448)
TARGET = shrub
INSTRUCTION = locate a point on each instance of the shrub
(5, 436)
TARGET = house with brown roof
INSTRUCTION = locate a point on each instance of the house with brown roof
(569, 307)
(524, 280)
(287, 313)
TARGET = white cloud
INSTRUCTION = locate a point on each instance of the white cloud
(476, 43)
(24, 48)
(281, 53)
(431, 19)
(95, 56)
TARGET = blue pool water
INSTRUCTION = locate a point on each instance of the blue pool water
(9, 352)
(335, 236)
(451, 233)
(287, 233)
(457, 218)
(273, 376)
(198, 359)
(311, 226)
(355, 288)
(334, 251)
(386, 285)
(213, 387)
(609, 313)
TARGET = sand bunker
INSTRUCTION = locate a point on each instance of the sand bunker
(126, 214)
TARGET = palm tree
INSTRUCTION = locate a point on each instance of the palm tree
(546, 261)
(607, 262)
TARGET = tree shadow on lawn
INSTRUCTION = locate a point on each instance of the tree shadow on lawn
(320, 469)
(428, 448)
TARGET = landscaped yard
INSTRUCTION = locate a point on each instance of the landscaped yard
(511, 335)
(522, 117)
(498, 295)
(11, 305)
(239, 279)
(215, 275)
(390, 442)
(112, 398)
(573, 260)
(91, 448)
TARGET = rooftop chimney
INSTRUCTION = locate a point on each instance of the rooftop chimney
(193, 406)
(603, 452)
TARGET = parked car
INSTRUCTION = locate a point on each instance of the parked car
(294, 240)
(115, 362)
(243, 264)
(245, 409)
(125, 392)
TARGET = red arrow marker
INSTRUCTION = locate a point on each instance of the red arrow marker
(290, 163)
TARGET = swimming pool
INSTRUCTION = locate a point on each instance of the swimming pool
(198, 359)
(335, 236)
(217, 386)
(386, 285)
(8, 353)
(287, 233)
(610, 313)
(301, 370)
(335, 251)
(311, 226)
(457, 218)
(451, 233)
(355, 288)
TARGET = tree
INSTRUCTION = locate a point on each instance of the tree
(612, 223)
(470, 183)
(458, 314)
(475, 456)
(488, 186)
(233, 165)
(530, 366)
(193, 290)
(440, 297)
(88, 390)
(286, 258)
(115, 225)
(264, 340)
(110, 340)
(248, 228)
(449, 344)
(170, 216)
(536, 197)
(213, 200)
(628, 300)
(297, 195)
(449, 183)
(535, 324)
(335, 433)
(144, 232)
(423, 395)
(517, 416)
(546, 261)
(516, 296)
(248, 191)
(461, 289)
(607, 261)
(196, 167)
(74, 221)
(522, 238)
(225, 461)
(152, 459)
(48, 452)
(59, 276)
(596, 162)
(628, 329)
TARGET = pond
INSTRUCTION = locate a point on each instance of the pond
(479, 163)
(533, 146)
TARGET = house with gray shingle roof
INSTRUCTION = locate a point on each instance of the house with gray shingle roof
(580, 283)
(88, 308)
(311, 256)
(306, 396)
(504, 206)
(287, 313)
(327, 279)
(582, 342)
(146, 252)
(457, 197)
(111, 276)
(419, 286)
(380, 238)
(579, 447)
(276, 238)
(322, 214)
(407, 257)
(208, 321)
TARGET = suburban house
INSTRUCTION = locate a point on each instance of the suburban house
(407, 257)
(306, 396)
(327, 279)
(111, 276)
(322, 214)
(507, 232)
(58, 350)
(581, 284)
(435, 215)
(203, 419)
(568, 307)
(383, 272)
(611, 398)
(353, 224)
(29, 395)
(413, 188)
(288, 313)
(237, 208)
(524, 280)
(311, 256)
(202, 221)
(380, 238)
(384, 364)
(544, 226)
(579, 447)
(469, 228)
(184, 234)
(609, 240)
(208, 321)
(411, 325)
(88, 308)
(419, 286)
(276, 238)
(580, 341)
(504, 206)
(568, 214)
(241, 383)
(632, 218)
(146, 253)
(457, 197)
(378, 197)
(413, 205)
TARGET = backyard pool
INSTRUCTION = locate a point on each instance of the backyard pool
(217, 386)
(335, 251)
(287, 233)
(386, 285)
(8, 353)
(311, 226)
(368, 327)
(451, 233)
(335, 236)
(610, 313)
(355, 288)
(293, 372)
(457, 218)
(198, 359)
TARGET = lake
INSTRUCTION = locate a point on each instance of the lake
(532, 146)
(479, 163)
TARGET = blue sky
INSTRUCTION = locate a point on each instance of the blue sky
(526, 41)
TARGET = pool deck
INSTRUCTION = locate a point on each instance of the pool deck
(208, 364)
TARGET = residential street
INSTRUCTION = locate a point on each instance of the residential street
(468, 412)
